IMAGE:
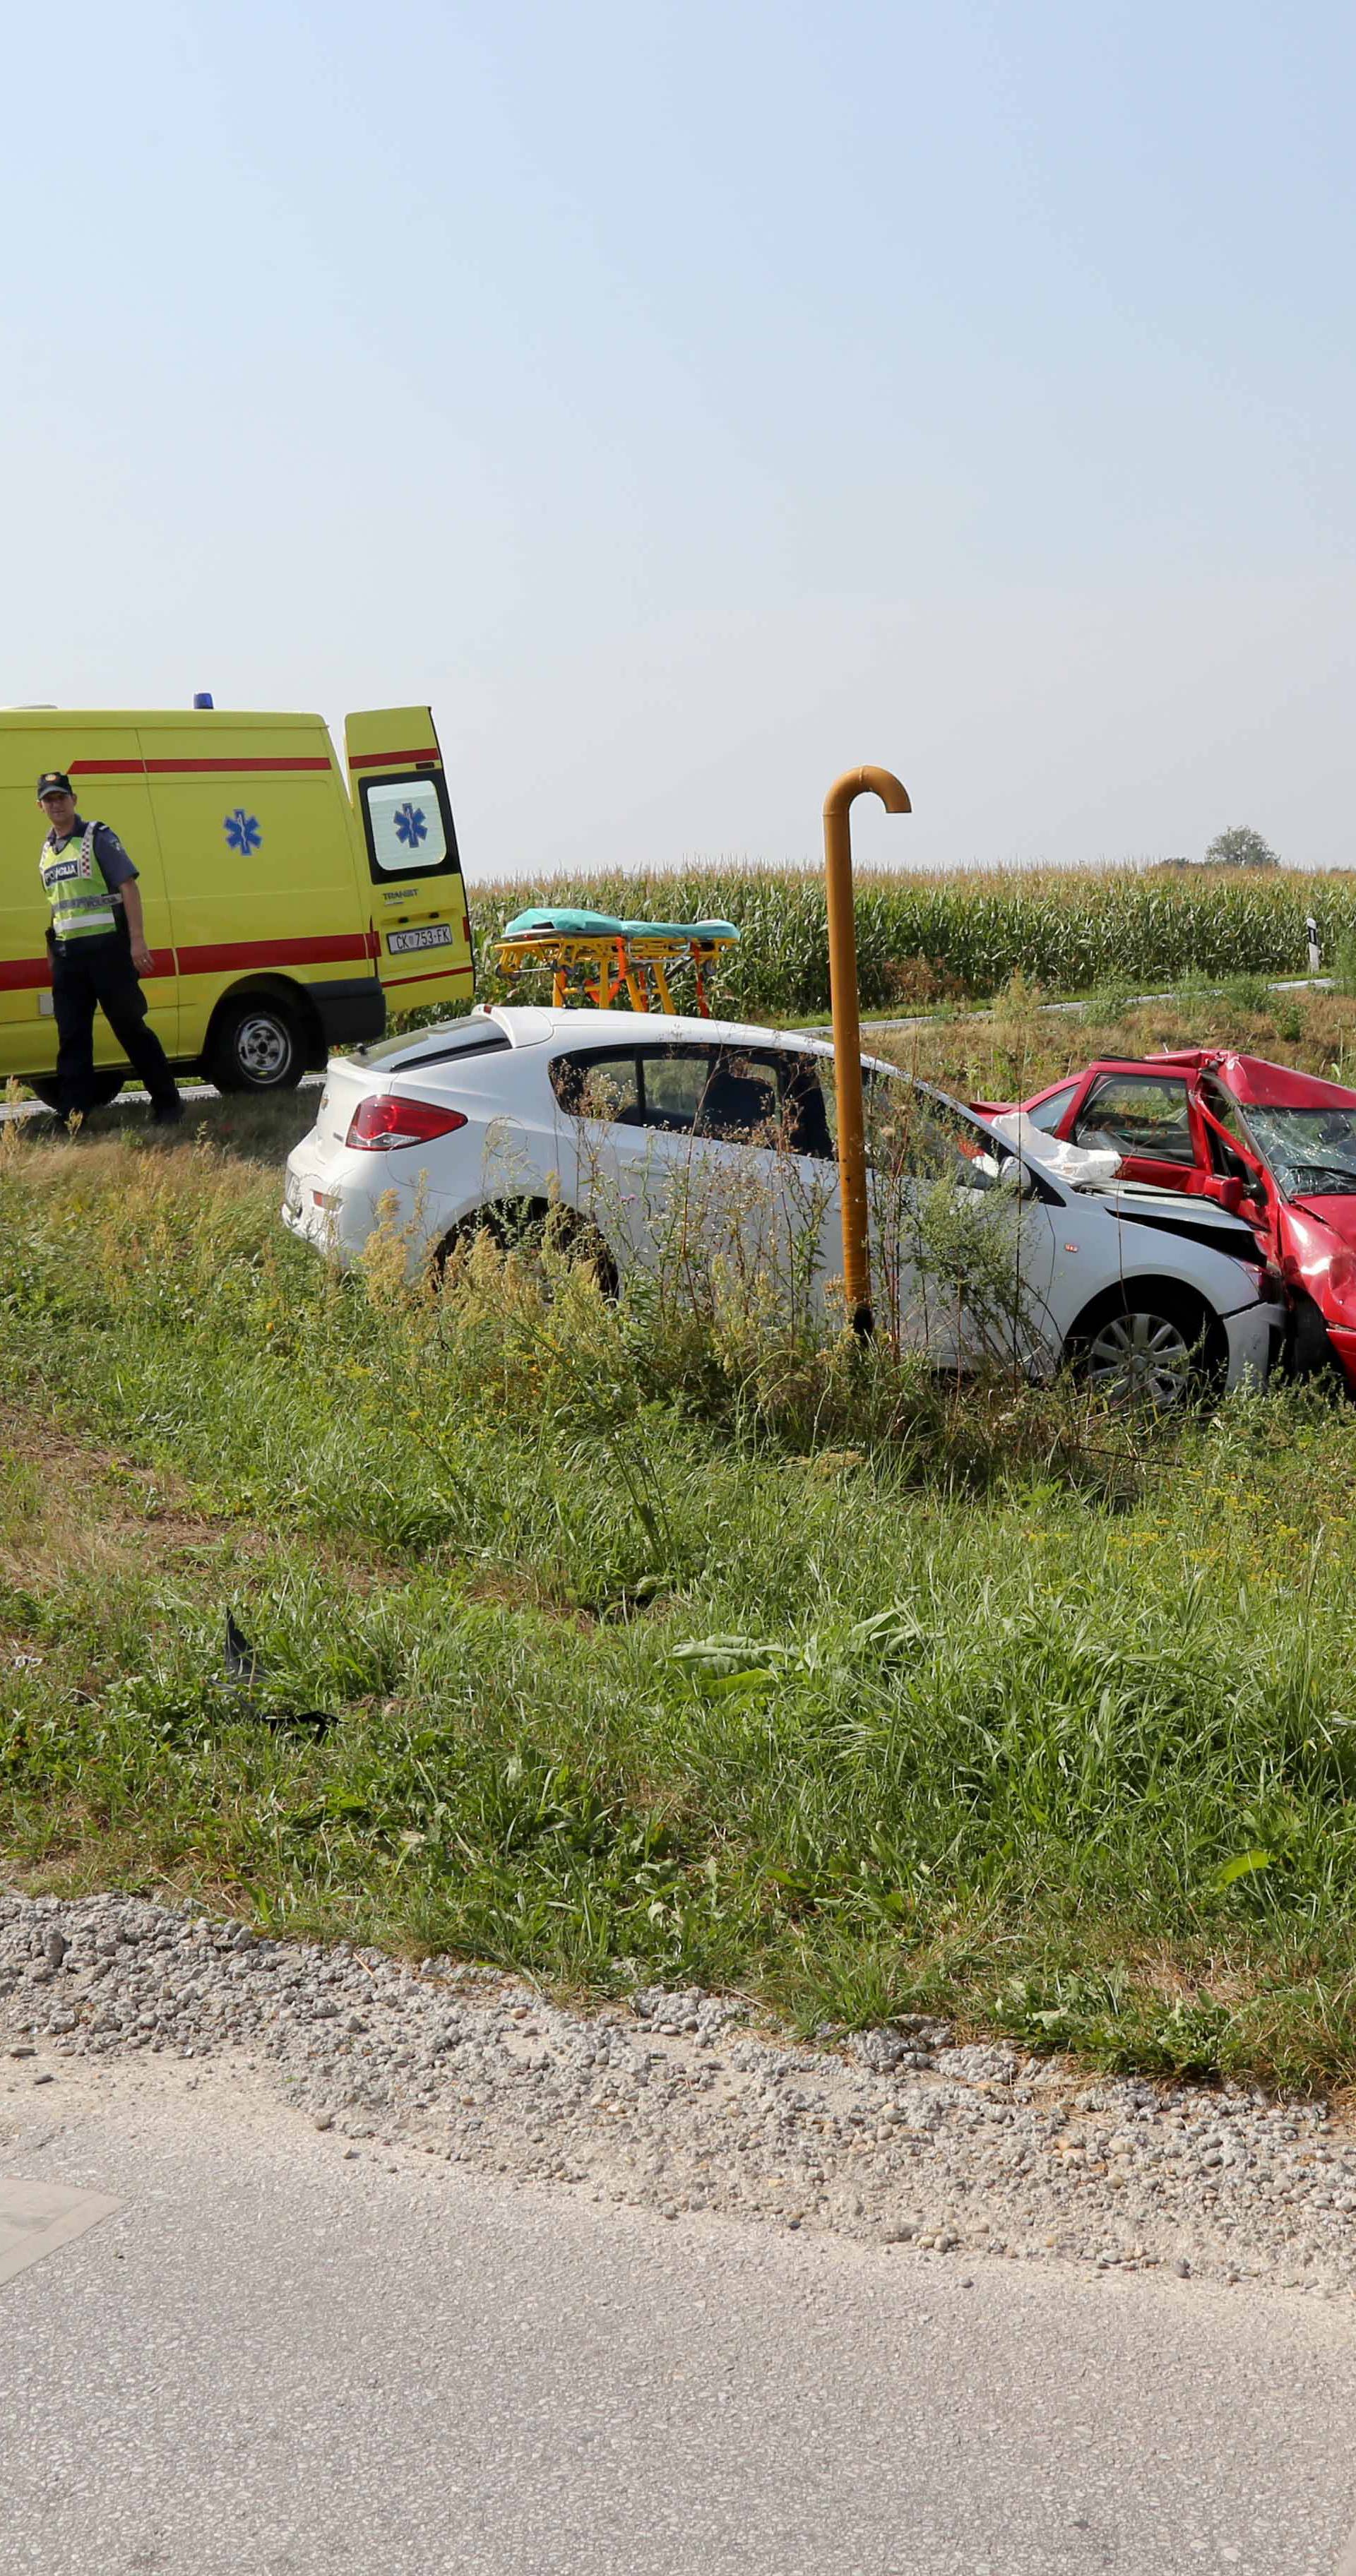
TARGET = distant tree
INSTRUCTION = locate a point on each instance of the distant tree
(1240, 847)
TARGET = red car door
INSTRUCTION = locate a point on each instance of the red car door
(1148, 1118)
(1234, 1157)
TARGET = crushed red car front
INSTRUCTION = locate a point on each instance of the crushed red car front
(1276, 1145)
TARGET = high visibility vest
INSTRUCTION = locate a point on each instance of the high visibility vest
(82, 906)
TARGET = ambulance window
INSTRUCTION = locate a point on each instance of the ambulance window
(405, 822)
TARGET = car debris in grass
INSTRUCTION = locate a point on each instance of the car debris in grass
(242, 1670)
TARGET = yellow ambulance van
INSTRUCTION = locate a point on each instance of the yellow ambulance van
(288, 902)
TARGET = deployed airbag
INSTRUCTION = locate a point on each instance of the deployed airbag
(1081, 1165)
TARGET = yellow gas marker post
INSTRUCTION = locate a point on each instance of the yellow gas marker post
(847, 1026)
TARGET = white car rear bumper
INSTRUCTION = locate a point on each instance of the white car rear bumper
(326, 1206)
(337, 1201)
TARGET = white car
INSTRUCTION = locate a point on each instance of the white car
(647, 1132)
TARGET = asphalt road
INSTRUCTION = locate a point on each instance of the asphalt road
(134, 1098)
(273, 2356)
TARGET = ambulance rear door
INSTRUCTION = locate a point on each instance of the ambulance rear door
(419, 913)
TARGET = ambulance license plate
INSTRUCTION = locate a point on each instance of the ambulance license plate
(438, 935)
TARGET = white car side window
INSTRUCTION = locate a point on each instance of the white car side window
(675, 1086)
(602, 1087)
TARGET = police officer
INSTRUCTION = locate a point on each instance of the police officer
(97, 944)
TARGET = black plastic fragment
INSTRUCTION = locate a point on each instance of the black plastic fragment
(242, 1670)
(242, 1664)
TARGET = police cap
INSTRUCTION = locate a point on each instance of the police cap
(54, 782)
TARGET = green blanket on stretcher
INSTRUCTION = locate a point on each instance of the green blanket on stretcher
(564, 922)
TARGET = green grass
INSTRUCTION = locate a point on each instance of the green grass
(250, 1129)
(1019, 1047)
(657, 1656)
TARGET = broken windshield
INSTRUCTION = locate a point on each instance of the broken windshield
(1311, 1152)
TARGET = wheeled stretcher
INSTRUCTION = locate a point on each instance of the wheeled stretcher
(593, 958)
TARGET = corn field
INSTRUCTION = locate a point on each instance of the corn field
(928, 938)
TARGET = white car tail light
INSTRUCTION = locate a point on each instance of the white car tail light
(382, 1122)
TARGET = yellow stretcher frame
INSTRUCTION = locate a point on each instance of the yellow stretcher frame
(597, 966)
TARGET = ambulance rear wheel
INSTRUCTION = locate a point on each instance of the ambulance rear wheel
(103, 1088)
(255, 1045)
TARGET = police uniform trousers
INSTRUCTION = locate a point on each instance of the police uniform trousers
(90, 974)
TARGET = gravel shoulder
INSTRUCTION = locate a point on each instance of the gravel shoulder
(677, 2103)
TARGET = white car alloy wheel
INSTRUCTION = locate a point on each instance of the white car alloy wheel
(1141, 1358)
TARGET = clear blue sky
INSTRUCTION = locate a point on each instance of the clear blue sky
(691, 400)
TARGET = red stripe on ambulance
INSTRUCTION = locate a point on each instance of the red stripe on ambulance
(28, 974)
(431, 975)
(188, 768)
(226, 768)
(392, 759)
(34, 974)
(221, 956)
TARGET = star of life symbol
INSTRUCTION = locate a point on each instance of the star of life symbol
(410, 825)
(242, 831)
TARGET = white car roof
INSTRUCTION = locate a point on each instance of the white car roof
(527, 1024)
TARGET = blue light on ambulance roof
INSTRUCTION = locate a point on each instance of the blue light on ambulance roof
(202, 697)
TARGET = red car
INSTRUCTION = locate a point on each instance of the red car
(1276, 1147)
